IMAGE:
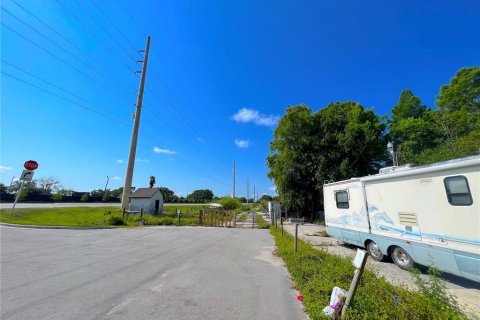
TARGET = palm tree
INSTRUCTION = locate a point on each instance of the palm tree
(152, 181)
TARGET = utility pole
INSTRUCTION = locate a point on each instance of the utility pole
(106, 184)
(233, 193)
(254, 194)
(248, 185)
(127, 188)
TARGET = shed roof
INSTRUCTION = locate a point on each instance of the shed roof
(145, 192)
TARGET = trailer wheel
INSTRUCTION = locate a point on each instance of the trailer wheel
(401, 258)
(374, 251)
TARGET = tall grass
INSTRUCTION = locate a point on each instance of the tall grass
(316, 272)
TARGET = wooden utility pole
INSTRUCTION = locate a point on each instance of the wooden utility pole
(233, 193)
(127, 188)
(254, 194)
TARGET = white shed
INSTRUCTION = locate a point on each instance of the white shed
(148, 199)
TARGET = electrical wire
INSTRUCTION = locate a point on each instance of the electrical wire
(95, 35)
(105, 30)
(49, 40)
(57, 57)
(90, 57)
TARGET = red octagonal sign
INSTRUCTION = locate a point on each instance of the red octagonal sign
(31, 165)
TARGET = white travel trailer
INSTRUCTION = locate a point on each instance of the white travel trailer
(429, 215)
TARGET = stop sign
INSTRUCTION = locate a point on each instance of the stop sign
(30, 165)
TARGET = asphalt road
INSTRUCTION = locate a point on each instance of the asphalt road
(143, 273)
(57, 205)
(77, 204)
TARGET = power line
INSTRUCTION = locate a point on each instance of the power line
(131, 18)
(114, 25)
(48, 39)
(95, 35)
(63, 98)
(198, 169)
(116, 75)
(105, 30)
(191, 126)
(57, 57)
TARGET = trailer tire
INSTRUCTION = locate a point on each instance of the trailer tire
(401, 258)
(374, 251)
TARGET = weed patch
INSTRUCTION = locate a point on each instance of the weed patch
(316, 272)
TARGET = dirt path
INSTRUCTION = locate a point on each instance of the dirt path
(467, 292)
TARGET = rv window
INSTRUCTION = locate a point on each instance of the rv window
(342, 199)
(458, 192)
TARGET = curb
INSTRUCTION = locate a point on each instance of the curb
(53, 227)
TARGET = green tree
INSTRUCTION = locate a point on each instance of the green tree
(106, 195)
(408, 106)
(459, 104)
(200, 196)
(338, 142)
(168, 195)
(116, 193)
(152, 181)
(97, 193)
(412, 127)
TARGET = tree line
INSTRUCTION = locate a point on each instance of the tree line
(345, 140)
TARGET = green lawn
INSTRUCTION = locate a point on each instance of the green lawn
(98, 216)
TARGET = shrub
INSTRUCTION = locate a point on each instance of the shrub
(84, 197)
(114, 220)
(57, 196)
(230, 203)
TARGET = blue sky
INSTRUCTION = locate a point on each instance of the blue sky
(220, 75)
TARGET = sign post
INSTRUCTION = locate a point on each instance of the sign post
(359, 263)
(27, 175)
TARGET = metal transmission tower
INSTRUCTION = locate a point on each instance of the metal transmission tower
(127, 188)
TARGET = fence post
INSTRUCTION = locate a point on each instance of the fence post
(281, 225)
(296, 238)
(178, 214)
(361, 254)
(200, 217)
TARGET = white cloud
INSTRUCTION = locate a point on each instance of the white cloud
(117, 178)
(143, 160)
(165, 151)
(242, 143)
(272, 188)
(249, 115)
(5, 168)
(120, 161)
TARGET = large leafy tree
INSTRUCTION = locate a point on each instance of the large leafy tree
(337, 142)
(449, 132)
(200, 196)
(168, 195)
(459, 104)
(292, 158)
(412, 127)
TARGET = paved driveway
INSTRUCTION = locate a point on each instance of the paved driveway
(143, 273)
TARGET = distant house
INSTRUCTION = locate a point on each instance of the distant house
(148, 199)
